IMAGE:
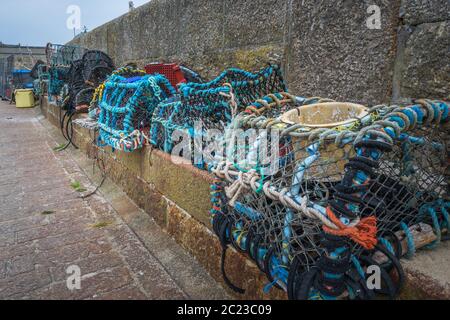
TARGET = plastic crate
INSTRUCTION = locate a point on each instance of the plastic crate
(171, 71)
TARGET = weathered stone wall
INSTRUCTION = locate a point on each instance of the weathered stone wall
(325, 47)
(332, 52)
(208, 35)
(423, 68)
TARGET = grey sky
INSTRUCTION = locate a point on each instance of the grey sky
(37, 22)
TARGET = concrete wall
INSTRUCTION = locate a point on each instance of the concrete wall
(325, 47)
(423, 67)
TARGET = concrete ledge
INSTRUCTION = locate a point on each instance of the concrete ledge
(177, 198)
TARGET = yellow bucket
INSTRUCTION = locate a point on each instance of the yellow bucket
(24, 98)
(324, 115)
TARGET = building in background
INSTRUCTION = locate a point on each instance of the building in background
(16, 61)
(24, 56)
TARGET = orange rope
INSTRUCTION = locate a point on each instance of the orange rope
(365, 233)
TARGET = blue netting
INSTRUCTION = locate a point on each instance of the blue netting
(41, 83)
(126, 108)
(214, 103)
(58, 76)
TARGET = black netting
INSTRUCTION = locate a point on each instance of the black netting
(340, 196)
(97, 66)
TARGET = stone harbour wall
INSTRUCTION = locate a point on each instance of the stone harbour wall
(325, 47)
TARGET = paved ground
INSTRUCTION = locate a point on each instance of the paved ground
(46, 227)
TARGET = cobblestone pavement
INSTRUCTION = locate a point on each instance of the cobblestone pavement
(45, 227)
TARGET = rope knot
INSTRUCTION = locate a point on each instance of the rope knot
(232, 97)
(363, 233)
(242, 183)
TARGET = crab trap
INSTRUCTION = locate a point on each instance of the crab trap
(60, 59)
(174, 73)
(126, 72)
(126, 103)
(40, 73)
(63, 55)
(346, 189)
(211, 104)
(84, 76)
(74, 84)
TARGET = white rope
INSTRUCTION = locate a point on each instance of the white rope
(246, 181)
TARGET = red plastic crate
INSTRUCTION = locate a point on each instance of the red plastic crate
(171, 71)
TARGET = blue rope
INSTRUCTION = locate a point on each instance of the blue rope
(147, 92)
(410, 241)
(387, 244)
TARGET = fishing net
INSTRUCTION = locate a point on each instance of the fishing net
(57, 78)
(339, 189)
(128, 71)
(35, 70)
(97, 67)
(63, 55)
(208, 104)
(167, 70)
(75, 83)
(84, 76)
(40, 84)
(60, 59)
(73, 75)
(127, 101)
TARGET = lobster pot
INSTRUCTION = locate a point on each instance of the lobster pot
(97, 66)
(37, 87)
(43, 79)
(57, 77)
(162, 129)
(60, 59)
(126, 108)
(385, 169)
(212, 105)
(63, 55)
(322, 116)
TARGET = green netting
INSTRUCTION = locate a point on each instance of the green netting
(209, 103)
(126, 107)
